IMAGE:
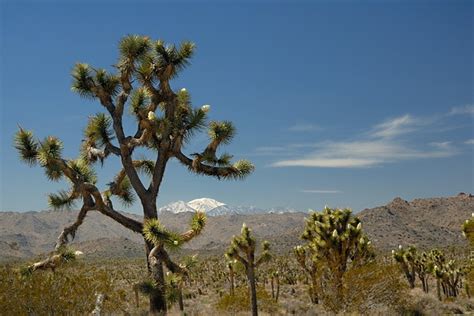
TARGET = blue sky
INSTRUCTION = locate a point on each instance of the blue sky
(344, 103)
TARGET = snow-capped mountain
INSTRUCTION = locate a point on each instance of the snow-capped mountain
(215, 208)
(176, 207)
(204, 204)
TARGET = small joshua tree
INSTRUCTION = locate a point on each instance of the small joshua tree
(406, 257)
(231, 267)
(165, 124)
(308, 260)
(336, 241)
(243, 250)
(450, 274)
(423, 268)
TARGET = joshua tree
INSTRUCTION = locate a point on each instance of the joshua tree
(336, 240)
(438, 260)
(406, 259)
(231, 266)
(243, 250)
(308, 260)
(450, 274)
(423, 267)
(165, 123)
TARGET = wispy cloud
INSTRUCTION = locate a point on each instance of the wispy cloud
(395, 127)
(463, 110)
(381, 144)
(304, 128)
(469, 142)
(321, 191)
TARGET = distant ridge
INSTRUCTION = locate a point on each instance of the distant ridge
(431, 222)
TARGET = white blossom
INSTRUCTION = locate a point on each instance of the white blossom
(151, 116)
(205, 108)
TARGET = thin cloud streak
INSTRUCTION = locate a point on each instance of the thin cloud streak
(460, 110)
(322, 191)
(304, 128)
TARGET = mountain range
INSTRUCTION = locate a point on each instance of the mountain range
(431, 222)
(215, 208)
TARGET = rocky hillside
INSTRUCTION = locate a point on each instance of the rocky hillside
(433, 222)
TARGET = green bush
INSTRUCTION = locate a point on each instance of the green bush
(70, 290)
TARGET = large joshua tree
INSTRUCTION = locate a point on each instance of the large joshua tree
(335, 242)
(165, 123)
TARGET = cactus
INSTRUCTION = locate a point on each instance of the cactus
(243, 250)
(405, 257)
(335, 238)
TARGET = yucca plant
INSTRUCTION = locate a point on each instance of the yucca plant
(165, 123)
(242, 249)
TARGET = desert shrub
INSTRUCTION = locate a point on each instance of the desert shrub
(369, 288)
(70, 290)
(240, 301)
(421, 303)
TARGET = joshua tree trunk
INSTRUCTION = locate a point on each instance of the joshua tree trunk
(232, 281)
(253, 290)
(313, 290)
(180, 298)
(158, 296)
(438, 289)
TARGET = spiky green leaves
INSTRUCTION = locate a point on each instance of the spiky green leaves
(26, 145)
(134, 46)
(123, 190)
(139, 101)
(82, 83)
(157, 234)
(244, 168)
(98, 129)
(107, 82)
(61, 200)
(83, 171)
(221, 132)
(49, 156)
(87, 82)
(198, 221)
(170, 59)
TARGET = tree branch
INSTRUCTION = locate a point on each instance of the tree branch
(71, 229)
(198, 167)
(159, 252)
